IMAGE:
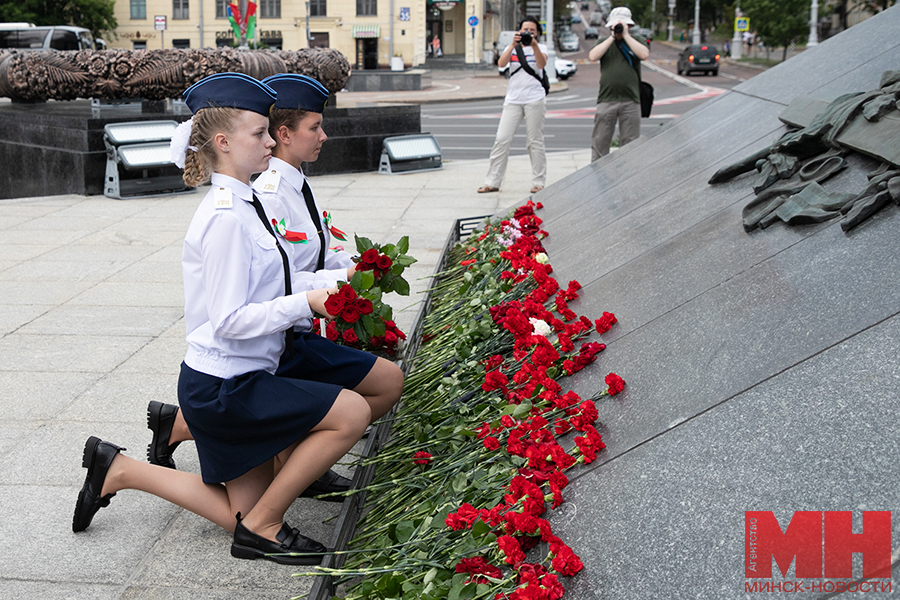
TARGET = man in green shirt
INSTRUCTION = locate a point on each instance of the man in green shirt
(619, 99)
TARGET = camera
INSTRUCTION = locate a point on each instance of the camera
(526, 38)
(619, 28)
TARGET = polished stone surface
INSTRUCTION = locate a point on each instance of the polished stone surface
(760, 368)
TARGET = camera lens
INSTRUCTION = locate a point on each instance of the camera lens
(526, 38)
(618, 28)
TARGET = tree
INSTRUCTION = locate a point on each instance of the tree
(778, 22)
(96, 15)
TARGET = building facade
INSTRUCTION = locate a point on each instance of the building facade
(368, 32)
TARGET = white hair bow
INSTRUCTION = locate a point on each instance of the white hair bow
(179, 144)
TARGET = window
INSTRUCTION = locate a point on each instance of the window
(64, 40)
(317, 8)
(138, 9)
(366, 8)
(181, 43)
(180, 9)
(270, 9)
(221, 10)
(135, 45)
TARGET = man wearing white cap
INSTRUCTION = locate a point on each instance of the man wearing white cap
(619, 99)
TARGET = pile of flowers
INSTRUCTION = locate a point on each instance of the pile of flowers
(362, 319)
(485, 433)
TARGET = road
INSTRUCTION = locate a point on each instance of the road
(466, 130)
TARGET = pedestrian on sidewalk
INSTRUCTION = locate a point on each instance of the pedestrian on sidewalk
(436, 46)
(239, 310)
(619, 98)
(295, 123)
(526, 98)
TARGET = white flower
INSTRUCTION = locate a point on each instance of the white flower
(540, 327)
(542, 258)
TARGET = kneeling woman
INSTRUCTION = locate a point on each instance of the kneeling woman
(238, 305)
(295, 123)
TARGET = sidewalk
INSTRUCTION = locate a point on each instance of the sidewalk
(91, 330)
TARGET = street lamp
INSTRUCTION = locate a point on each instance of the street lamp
(696, 39)
(737, 42)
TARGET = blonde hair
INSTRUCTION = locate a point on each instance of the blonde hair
(200, 164)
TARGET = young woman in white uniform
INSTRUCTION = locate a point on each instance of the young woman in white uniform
(238, 307)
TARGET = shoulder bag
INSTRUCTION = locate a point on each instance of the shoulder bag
(523, 63)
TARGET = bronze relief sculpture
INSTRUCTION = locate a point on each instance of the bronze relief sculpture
(152, 74)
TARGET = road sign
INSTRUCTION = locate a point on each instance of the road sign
(473, 21)
(742, 24)
(404, 13)
(159, 22)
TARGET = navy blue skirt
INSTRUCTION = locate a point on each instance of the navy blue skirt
(241, 422)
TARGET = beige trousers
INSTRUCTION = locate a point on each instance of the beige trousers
(512, 116)
(628, 114)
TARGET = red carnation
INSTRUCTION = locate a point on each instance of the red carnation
(605, 322)
(567, 562)
(511, 549)
(491, 443)
(616, 384)
(422, 458)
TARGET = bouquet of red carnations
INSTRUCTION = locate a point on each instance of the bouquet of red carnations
(362, 319)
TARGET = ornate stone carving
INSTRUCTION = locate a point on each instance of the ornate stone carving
(152, 74)
(792, 169)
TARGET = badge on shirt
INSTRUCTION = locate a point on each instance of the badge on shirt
(268, 182)
(222, 197)
(294, 237)
(335, 232)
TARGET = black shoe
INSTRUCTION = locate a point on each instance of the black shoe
(98, 456)
(160, 419)
(249, 545)
(329, 483)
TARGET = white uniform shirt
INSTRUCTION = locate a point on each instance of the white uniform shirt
(235, 308)
(280, 190)
(523, 88)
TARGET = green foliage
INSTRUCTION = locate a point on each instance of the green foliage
(96, 15)
(778, 22)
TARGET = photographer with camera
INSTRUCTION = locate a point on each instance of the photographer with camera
(619, 98)
(525, 99)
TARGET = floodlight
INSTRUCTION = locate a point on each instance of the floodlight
(138, 161)
(404, 153)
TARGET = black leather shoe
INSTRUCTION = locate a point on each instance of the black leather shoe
(98, 456)
(329, 483)
(251, 546)
(160, 419)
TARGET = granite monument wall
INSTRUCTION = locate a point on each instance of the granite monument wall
(761, 366)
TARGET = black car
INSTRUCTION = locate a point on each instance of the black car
(700, 58)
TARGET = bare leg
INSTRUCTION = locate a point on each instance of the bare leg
(259, 495)
(186, 490)
(309, 459)
(382, 387)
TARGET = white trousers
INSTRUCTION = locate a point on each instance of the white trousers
(534, 115)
